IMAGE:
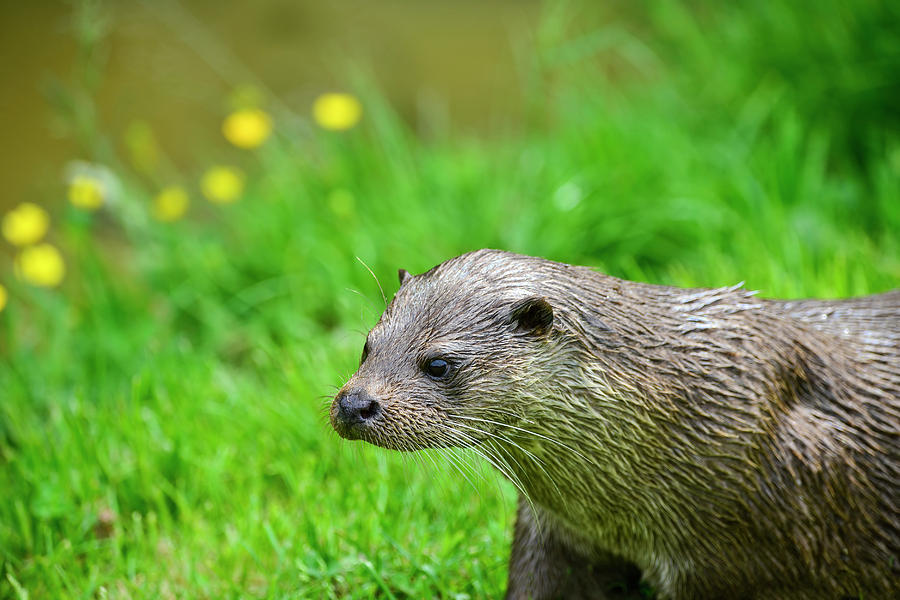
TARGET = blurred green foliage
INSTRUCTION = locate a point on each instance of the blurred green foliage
(163, 428)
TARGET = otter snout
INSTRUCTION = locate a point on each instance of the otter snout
(352, 411)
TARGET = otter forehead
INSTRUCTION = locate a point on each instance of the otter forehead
(464, 295)
(431, 309)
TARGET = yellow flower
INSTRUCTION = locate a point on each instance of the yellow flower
(247, 128)
(41, 265)
(337, 112)
(86, 192)
(222, 185)
(170, 204)
(3, 296)
(25, 224)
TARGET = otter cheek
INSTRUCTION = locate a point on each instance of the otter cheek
(353, 412)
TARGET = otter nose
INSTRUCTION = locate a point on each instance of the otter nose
(356, 406)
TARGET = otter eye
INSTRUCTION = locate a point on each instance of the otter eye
(437, 367)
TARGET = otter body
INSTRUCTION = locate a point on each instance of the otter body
(715, 444)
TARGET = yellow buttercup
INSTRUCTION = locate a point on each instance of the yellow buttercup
(41, 265)
(247, 128)
(25, 224)
(222, 185)
(337, 112)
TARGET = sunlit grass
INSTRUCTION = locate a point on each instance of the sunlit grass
(162, 426)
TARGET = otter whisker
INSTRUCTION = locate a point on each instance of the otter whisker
(535, 434)
(495, 460)
(370, 308)
(459, 465)
(511, 476)
(463, 443)
(454, 461)
(535, 459)
(480, 465)
(472, 443)
(467, 440)
(502, 439)
(375, 277)
(426, 454)
(502, 450)
(450, 442)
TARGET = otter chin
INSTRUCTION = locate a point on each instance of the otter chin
(706, 441)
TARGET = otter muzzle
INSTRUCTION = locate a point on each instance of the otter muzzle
(352, 412)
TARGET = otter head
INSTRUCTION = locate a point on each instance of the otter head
(448, 360)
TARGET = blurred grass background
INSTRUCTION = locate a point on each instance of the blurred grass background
(162, 412)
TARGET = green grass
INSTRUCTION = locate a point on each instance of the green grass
(162, 416)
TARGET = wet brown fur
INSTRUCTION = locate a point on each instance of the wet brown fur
(721, 445)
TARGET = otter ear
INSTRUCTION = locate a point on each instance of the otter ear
(403, 275)
(534, 315)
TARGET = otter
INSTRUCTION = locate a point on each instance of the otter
(709, 442)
